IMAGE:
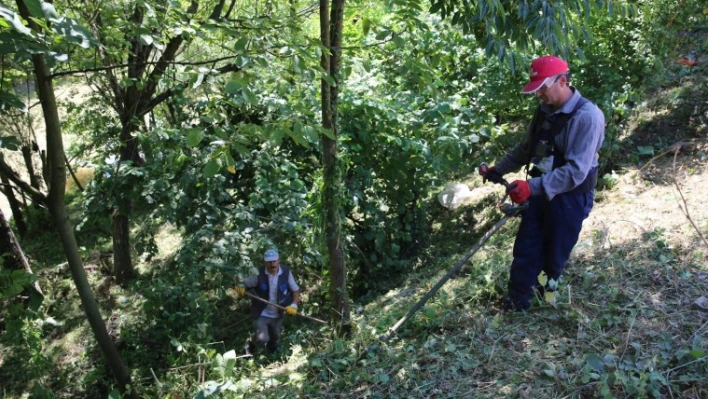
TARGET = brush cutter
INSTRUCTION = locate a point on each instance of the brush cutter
(256, 297)
(509, 211)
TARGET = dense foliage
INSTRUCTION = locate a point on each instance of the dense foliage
(229, 157)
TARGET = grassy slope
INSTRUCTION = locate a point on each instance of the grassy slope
(626, 323)
(626, 309)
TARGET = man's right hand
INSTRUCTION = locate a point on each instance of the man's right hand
(240, 291)
(490, 173)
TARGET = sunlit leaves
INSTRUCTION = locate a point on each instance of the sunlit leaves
(15, 21)
(9, 101)
(35, 8)
(194, 137)
(504, 26)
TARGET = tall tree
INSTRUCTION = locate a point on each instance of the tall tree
(331, 36)
(132, 85)
(57, 208)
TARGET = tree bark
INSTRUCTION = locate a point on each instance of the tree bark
(27, 155)
(37, 196)
(9, 192)
(16, 260)
(57, 208)
(331, 36)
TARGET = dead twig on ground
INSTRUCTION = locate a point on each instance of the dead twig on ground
(676, 147)
(684, 209)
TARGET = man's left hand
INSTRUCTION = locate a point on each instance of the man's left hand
(519, 191)
(290, 310)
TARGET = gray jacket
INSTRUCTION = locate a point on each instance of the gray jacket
(579, 141)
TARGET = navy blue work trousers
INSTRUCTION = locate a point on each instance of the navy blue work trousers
(548, 232)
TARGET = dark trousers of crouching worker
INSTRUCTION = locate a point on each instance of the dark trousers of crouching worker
(268, 332)
(547, 234)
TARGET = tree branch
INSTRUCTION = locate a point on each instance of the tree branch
(118, 66)
(684, 209)
(167, 57)
(216, 12)
(37, 196)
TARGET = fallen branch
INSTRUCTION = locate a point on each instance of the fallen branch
(676, 147)
(684, 209)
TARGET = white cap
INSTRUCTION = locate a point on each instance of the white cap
(270, 255)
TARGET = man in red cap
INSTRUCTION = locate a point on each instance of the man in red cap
(562, 143)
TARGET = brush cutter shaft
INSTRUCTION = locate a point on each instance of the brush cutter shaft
(256, 297)
(451, 273)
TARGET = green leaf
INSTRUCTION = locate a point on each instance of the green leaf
(10, 142)
(194, 137)
(16, 22)
(398, 40)
(366, 26)
(234, 86)
(595, 362)
(250, 97)
(241, 44)
(241, 149)
(697, 353)
(383, 34)
(647, 150)
(10, 100)
(211, 168)
(146, 39)
(49, 11)
(327, 132)
(329, 80)
(35, 8)
(542, 279)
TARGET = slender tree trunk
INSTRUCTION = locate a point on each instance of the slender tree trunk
(16, 260)
(73, 175)
(57, 208)
(9, 192)
(45, 166)
(27, 155)
(331, 34)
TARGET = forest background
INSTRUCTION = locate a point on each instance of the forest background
(168, 144)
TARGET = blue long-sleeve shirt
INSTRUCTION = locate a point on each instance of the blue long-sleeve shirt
(579, 141)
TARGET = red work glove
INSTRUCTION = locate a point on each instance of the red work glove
(519, 191)
(490, 174)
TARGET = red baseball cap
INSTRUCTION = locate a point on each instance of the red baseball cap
(543, 69)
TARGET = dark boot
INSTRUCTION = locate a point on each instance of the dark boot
(271, 348)
(249, 348)
(510, 305)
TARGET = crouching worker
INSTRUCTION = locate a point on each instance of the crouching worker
(274, 283)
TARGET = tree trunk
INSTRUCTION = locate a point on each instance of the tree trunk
(27, 155)
(123, 269)
(16, 260)
(45, 166)
(73, 175)
(57, 208)
(122, 261)
(9, 192)
(331, 39)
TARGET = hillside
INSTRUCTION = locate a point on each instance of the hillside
(630, 319)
